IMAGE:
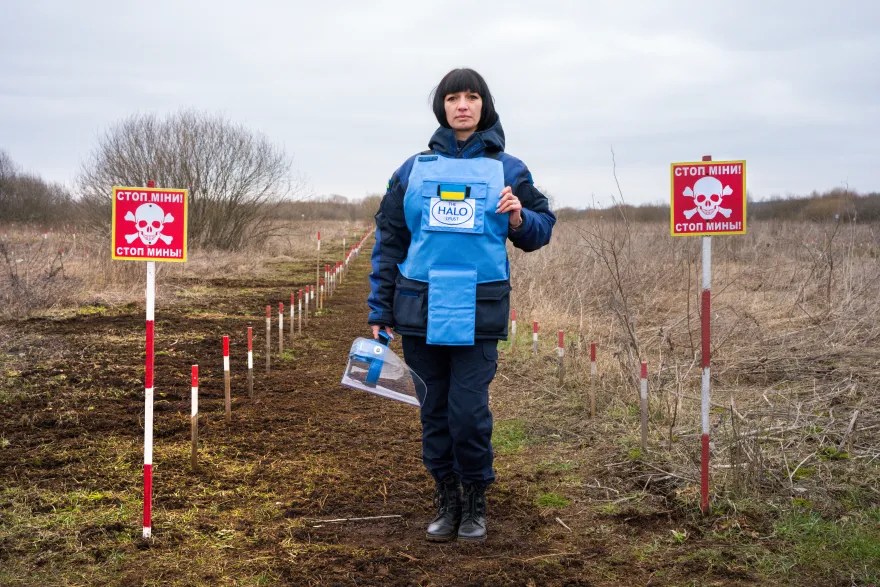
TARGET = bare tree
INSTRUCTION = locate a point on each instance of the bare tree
(234, 176)
(7, 167)
(26, 197)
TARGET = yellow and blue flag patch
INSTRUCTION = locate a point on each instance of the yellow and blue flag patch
(452, 191)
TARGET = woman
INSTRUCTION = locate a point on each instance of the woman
(441, 279)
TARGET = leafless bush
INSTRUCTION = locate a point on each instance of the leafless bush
(27, 198)
(71, 266)
(795, 334)
(32, 275)
(235, 177)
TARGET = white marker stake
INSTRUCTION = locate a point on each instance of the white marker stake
(194, 418)
(643, 393)
(250, 361)
(512, 327)
(560, 350)
(268, 338)
(308, 295)
(535, 337)
(227, 382)
(318, 269)
(299, 298)
(280, 328)
(292, 316)
(148, 400)
(593, 372)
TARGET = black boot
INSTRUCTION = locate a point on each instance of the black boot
(447, 498)
(473, 515)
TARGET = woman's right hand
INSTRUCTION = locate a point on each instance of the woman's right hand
(376, 328)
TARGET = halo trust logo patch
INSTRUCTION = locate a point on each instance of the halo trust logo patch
(453, 214)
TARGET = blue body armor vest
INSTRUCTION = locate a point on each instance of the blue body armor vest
(458, 240)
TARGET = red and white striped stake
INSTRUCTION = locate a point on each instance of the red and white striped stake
(706, 353)
(148, 396)
(194, 418)
(280, 328)
(535, 337)
(300, 311)
(292, 316)
(593, 372)
(268, 338)
(706, 381)
(643, 395)
(227, 382)
(560, 350)
(148, 393)
(512, 327)
(250, 361)
(308, 295)
(344, 264)
(318, 271)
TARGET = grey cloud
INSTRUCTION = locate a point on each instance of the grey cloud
(789, 86)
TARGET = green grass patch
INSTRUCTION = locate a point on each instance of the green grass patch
(551, 500)
(831, 453)
(509, 436)
(848, 547)
(91, 310)
(803, 473)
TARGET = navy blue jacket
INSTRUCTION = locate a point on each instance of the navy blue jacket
(393, 239)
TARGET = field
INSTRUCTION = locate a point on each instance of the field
(279, 490)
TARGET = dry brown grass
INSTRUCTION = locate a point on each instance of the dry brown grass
(795, 331)
(45, 271)
(795, 341)
(794, 350)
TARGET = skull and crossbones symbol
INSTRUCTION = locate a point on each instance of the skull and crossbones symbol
(149, 220)
(707, 194)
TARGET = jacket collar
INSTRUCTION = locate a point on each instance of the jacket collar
(478, 144)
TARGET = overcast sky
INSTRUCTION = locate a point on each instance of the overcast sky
(792, 87)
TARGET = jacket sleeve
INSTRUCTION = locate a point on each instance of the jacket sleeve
(538, 220)
(392, 243)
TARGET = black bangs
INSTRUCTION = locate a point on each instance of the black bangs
(463, 80)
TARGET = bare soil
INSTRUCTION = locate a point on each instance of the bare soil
(302, 452)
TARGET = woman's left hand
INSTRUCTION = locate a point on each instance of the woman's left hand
(510, 203)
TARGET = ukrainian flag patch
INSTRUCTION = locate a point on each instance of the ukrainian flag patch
(452, 191)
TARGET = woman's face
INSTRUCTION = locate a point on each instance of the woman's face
(463, 112)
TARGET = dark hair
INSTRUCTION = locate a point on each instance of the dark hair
(463, 80)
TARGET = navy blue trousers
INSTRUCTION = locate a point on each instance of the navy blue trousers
(456, 421)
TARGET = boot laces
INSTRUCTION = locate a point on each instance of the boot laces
(444, 495)
(475, 500)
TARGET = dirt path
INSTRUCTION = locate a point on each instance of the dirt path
(304, 451)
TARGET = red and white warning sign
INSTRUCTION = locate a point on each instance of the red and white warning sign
(708, 197)
(149, 224)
